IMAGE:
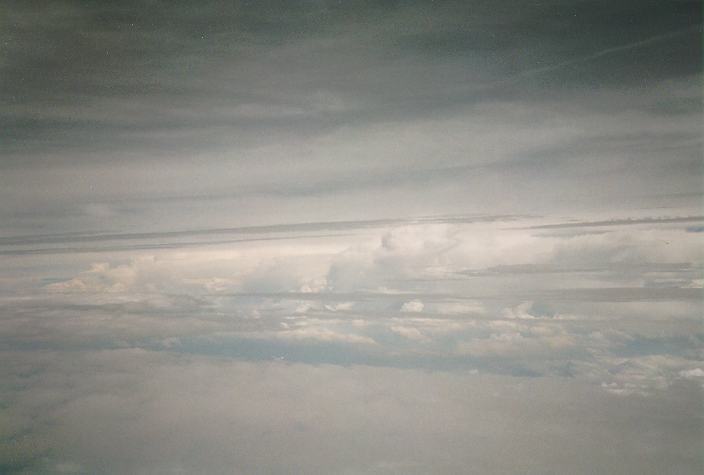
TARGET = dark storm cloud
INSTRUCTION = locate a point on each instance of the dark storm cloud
(90, 75)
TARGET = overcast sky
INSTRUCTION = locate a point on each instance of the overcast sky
(351, 237)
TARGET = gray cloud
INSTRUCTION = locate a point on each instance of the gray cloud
(274, 228)
(169, 413)
(622, 222)
(351, 237)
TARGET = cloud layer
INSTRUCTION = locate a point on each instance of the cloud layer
(351, 237)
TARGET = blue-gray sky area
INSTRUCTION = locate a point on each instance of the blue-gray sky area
(351, 237)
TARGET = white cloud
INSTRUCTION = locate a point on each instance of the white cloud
(323, 334)
(341, 306)
(412, 306)
(520, 342)
(460, 308)
(520, 311)
(695, 373)
(411, 333)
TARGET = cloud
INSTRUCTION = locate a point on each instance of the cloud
(367, 317)
(412, 333)
(325, 335)
(413, 306)
(459, 308)
(609, 51)
(526, 342)
(622, 222)
(696, 373)
(565, 287)
(341, 237)
(133, 410)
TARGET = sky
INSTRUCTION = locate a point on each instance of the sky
(351, 237)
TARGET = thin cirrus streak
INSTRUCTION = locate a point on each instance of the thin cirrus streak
(77, 237)
(620, 222)
(155, 246)
(265, 229)
(612, 50)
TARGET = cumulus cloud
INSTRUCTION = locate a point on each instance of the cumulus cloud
(412, 333)
(409, 280)
(324, 334)
(413, 306)
(522, 342)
